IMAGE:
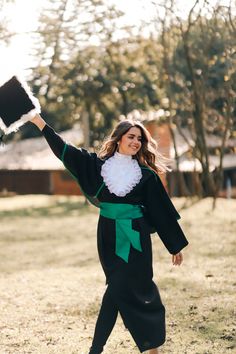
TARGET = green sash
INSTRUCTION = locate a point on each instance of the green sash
(123, 214)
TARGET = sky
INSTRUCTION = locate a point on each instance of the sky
(23, 15)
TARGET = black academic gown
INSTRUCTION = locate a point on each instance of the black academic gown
(130, 284)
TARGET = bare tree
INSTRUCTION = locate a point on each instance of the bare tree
(163, 23)
(201, 18)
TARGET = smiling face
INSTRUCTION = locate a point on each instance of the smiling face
(131, 142)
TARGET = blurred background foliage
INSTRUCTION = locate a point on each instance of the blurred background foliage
(90, 69)
(82, 65)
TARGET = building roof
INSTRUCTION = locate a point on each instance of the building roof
(187, 164)
(34, 153)
(186, 140)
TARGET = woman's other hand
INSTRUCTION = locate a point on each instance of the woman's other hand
(177, 258)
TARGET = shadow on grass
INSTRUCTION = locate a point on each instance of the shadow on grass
(58, 208)
(188, 202)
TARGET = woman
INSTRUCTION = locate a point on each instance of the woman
(123, 181)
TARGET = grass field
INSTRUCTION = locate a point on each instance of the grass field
(51, 282)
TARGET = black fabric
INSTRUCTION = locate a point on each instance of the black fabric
(106, 320)
(131, 284)
(84, 166)
(54, 140)
(162, 215)
(132, 290)
(14, 101)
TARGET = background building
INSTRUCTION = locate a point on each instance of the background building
(29, 166)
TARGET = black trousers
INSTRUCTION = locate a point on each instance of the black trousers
(105, 323)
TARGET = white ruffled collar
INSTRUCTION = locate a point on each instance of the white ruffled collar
(124, 157)
(121, 173)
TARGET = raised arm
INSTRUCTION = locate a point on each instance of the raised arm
(55, 141)
(83, 165)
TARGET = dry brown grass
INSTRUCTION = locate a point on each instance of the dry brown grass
(51, 282)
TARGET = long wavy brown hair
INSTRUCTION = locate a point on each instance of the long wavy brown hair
(148, 155)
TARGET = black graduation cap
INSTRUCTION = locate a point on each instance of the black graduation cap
(17, 105)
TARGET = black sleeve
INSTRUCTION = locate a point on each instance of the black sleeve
(54, 140)
(82, 164)
(163, 215)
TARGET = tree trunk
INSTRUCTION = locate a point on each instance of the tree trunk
(86, 134)
(86, 129)
(182, 188)
(199, 111)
